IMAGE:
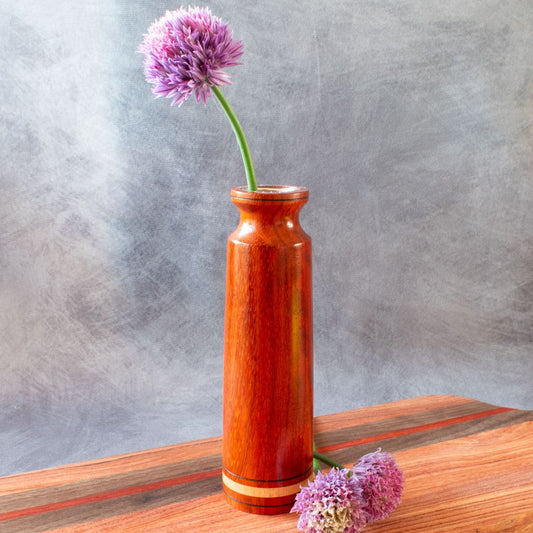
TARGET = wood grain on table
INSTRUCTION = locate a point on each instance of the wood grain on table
(468, 468)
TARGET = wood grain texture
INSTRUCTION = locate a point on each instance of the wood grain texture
(268, 352)
(468, 469)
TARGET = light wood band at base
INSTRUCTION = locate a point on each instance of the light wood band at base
(261, 492)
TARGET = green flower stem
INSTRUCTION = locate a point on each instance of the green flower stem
(316, 463)
(241, 139)
(326, 460)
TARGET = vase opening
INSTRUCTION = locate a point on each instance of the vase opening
(277, 189)
(271, 192)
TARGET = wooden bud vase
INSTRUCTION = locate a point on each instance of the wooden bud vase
(268, 353)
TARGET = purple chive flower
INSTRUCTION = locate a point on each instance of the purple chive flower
(330, 504)
(185, 52)
(381, 482)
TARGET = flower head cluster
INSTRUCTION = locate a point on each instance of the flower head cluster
(344, 501)
(185, 52)
(330, 504)
(381, 482)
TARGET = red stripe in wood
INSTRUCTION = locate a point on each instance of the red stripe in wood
(109, 495)
(415, 429)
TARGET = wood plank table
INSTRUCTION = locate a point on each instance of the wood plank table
(468, 468)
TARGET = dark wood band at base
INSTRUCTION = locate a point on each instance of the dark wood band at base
(260, 507)
(263, 506)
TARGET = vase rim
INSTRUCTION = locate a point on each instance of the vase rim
(270, 192)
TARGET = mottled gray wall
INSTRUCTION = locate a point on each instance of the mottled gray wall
(411, 124)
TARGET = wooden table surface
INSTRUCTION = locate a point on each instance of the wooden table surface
(468, 468)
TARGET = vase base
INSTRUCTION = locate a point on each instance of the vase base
(266, 499)
(262, 507)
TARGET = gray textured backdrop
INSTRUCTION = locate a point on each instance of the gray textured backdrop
(411, 124)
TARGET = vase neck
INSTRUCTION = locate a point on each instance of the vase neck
(271, 214)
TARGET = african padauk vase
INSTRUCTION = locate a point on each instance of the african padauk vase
(268, 352)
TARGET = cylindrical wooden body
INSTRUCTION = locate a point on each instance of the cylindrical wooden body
(268, 352)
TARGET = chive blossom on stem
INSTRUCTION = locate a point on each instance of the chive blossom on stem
(185, 52)
(381, 483)
(344, 500)
(330, 504)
